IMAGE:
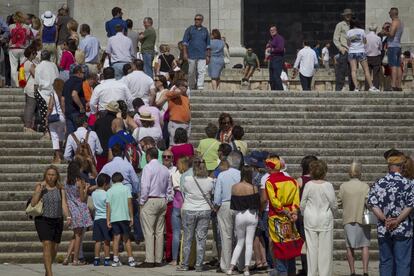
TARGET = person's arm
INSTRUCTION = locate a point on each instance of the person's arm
(304, 200)
(336, 37)
(77, 101)
(80, 183)
(98, 147)
(296, 64)
(134, 179)
(65, 207)
(50, 107)
(68, 148)
(339, 198)
(394, 27)
(128, 98)
(145, 180)
(108, 215)
(186, 41)
(257, 64)
(217, 192)
(37, 194)
(331, 197)
(131, 212)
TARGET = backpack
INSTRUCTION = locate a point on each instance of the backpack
(131, 152)
(83, 150)
(18, 36)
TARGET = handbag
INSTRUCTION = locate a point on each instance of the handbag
(52, 118)
(204, 195)
(368, 217)
(385, 59)
(34, 211)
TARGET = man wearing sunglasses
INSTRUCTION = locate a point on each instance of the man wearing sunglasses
(196, 46)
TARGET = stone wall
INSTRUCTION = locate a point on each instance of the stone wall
(8, 7)
(377, 12)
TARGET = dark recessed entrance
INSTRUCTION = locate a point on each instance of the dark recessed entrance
(296, 20)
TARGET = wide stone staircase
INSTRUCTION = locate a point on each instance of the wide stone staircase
(337, 127)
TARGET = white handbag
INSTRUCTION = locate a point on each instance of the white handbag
(369, 218)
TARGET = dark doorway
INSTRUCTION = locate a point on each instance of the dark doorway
(296, 20)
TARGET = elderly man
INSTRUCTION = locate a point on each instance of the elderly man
(138, 82)
(373, 50)
(45, 74)
(90, 46)
(392, 200)
(147, 39)
(120, 51)
(222, 194)
(108, 91)
(341, 43)
(155, 187)
(196, 47)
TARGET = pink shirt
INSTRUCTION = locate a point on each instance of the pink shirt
(182, 150)
(67, 60)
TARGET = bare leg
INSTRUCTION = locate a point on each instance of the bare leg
(106, 249)
(70, 250)
(351, 259)
(54, 250)
(364, 64)
(115, 245)
(365, 258)
(218, 83)
(250, 73)
(48, 247)
(97, 249)
(78, 237)
(394, 76)
(246, 71)
(128, 245)
(353, 63)
(399, 77)
(214, 84)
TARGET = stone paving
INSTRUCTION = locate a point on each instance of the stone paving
(340, 268)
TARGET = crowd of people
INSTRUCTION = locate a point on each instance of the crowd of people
(122, 120)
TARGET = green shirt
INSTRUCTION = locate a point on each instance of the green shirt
(250, 60)
(148, 42)
(143, 161)
(117, 198)
(208, 149)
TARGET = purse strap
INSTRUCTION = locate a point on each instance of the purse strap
(203, 194)
(54, 103)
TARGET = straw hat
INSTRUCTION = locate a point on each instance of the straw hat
(347, 12)
(113, 107)
(146, 116)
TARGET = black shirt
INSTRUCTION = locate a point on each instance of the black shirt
(104, 131)
(73, 83)
(166, 62)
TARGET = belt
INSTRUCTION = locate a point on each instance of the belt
(156, 197)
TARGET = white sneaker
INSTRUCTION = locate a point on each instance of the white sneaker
(356, 90)
(131, 263)
(374, 89)
(116, 264)
(246, 273)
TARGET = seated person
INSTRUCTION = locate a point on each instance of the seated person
(251, 63)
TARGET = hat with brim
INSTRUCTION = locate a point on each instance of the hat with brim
(256, 159)
(48, 18)
(396, 160)
(113, 107)
(146, 116)
(347, 12)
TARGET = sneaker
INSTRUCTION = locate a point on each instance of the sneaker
(356, 90)
(107, 262)
(96, 262)
(199, 268)
(374, 89)
(246, 273)
(116, 263)
(182, 268)
(132, 263)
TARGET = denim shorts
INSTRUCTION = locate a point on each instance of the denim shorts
(358, 56)
(394, 56)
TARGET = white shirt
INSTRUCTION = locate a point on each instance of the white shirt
(108, 91)
(193, 198)
(356, 38)
(374, 45)
(45, 74)
(154, 132)
(263, 187)
(307, 60)
(80, 133)
(317, 205)
(284, 77)
(120, 48)
(139, 84)
(325, 54)
(155, 112)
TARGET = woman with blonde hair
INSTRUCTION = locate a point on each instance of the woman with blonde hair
(318, 205)
(49, 225)
(352, 196)
(165, 62)
(73, 30)
(20, 37)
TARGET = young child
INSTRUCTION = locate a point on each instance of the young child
(251, 63)
(100, 227)
(119, 217)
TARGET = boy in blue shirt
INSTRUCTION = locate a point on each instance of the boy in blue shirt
(100, 228)
(119, 217)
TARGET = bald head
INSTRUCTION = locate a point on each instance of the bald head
(117, 125)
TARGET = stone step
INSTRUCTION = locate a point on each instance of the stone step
(10, 120)
(12, 98)
(11, 127)
(306, 114)
(12, 205)
(374, 137)
(228, 107)
(26, 143)
(317, 129)
(11, 91)
(15, 195)
(28, 168)
(12, 105)
(17, 186)
(26, 159)
(11, 112)
(28, 151)
(306, 122)
(20, 135)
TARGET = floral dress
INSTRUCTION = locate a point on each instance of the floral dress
(79, 211)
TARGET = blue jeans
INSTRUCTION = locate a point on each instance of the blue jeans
(118, 66)
(285, 267)
(394, 56)
(138, 235)
(70, 123)
(275, 69)
(395, 256)
(148, 58)
(176, 227)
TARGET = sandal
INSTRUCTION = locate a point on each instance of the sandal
(66, 260)
(79, 263)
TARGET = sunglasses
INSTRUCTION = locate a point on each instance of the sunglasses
(226, 123)
(198, 19)
(167, 156)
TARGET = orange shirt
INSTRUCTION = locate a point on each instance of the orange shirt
(179, 107)
(87, 90)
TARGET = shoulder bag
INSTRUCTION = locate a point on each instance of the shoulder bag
(34, 211)
(368, 217)
(52, 118)
(204, 195)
